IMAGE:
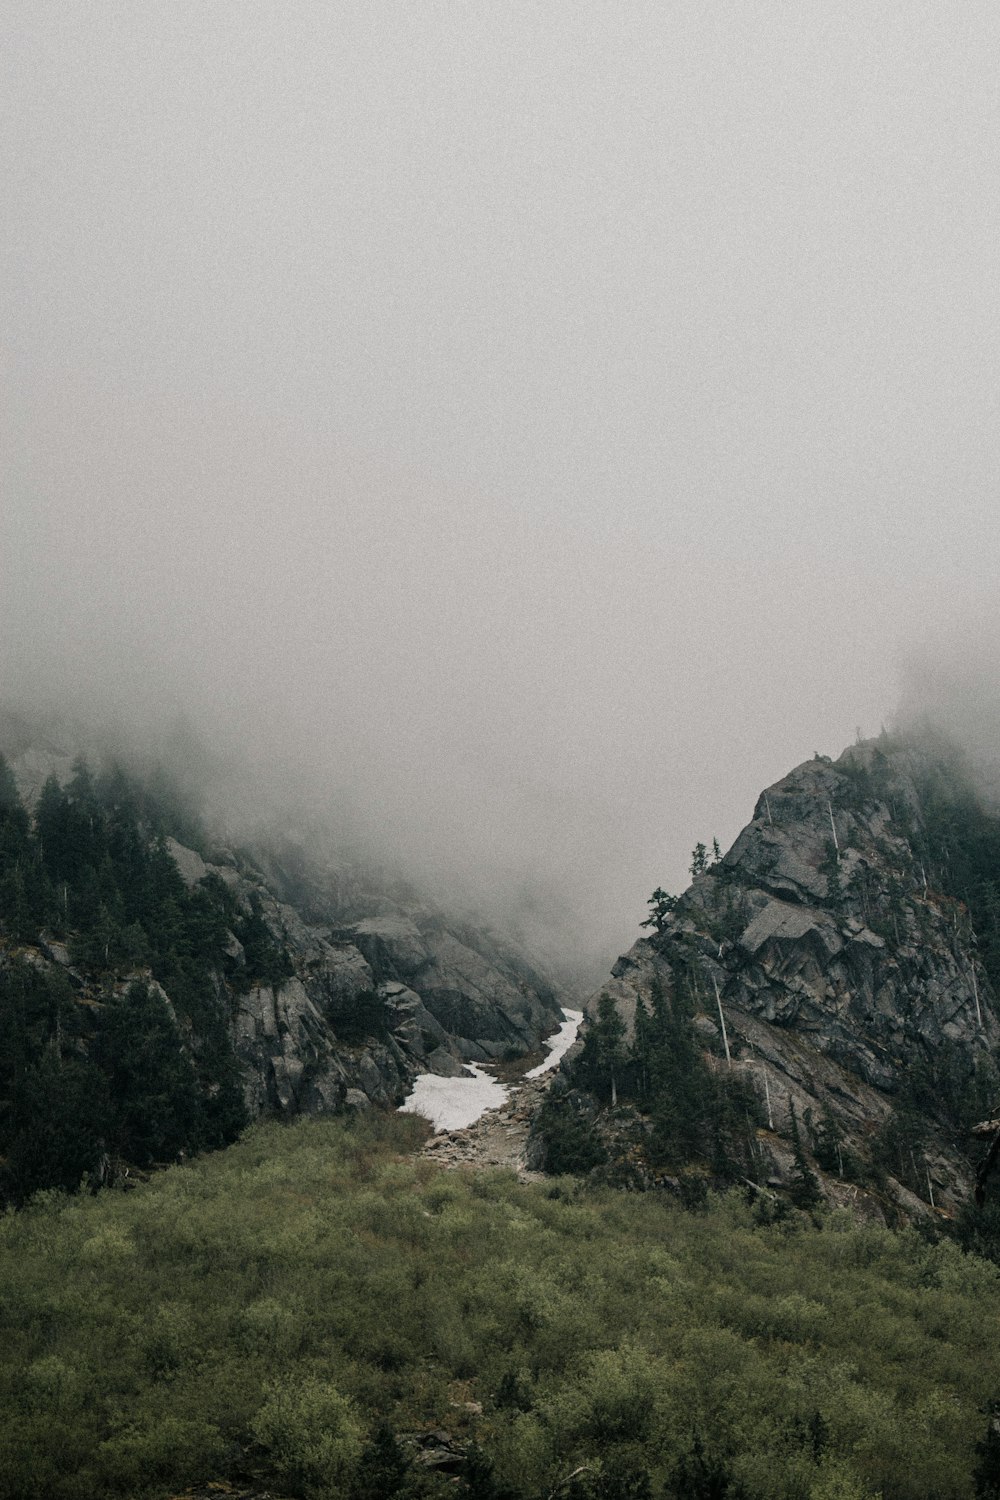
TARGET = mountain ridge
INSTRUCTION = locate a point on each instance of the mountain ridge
(828, 964)
(249, 1005)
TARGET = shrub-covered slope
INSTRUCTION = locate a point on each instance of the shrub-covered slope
(315, 1312)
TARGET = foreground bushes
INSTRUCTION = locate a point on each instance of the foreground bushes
(311, 1305)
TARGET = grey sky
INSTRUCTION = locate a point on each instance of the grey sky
(548, 421)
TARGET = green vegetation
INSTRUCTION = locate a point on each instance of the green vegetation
(703, 859)
(103, 1067)
(568, 1127)
(313, 1309)
(689, 1114)
(805, 1190)
(941, 885)
(660, 904)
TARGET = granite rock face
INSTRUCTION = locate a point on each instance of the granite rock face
(371, 1003)
(839, 969)
(472, 988)
(380, 986)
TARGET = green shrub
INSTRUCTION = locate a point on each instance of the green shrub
(138, 1461)
(318, 1308)
(311, 1434)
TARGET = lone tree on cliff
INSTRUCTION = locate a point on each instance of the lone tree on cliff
(661, 904)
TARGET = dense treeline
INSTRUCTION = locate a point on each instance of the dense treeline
(94, 1067)
(693, 1114)
(315, 1312)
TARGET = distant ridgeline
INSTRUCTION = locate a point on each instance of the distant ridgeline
(156, 992)
(816, 1015)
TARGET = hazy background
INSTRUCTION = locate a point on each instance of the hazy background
(530, 428)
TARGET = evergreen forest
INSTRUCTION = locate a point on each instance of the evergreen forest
(98, 1065)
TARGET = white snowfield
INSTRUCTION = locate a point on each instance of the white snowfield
(454, 1103)
(560, 1043)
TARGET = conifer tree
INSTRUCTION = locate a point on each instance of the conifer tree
(603, 1053)
(805, 1189)
(986, 1474)
(11, 808)
(642, 1047)
(156, 1109)
(661, 904)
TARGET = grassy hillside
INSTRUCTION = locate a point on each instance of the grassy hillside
(315, 1309)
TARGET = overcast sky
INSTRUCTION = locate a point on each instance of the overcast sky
(542, 424)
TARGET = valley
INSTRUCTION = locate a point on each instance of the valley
(479, 1121)
(317, 1190)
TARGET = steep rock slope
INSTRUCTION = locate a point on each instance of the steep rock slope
(373, 1000)
(830, 944)
(154, 994)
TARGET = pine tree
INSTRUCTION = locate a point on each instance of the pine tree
(156, 1108)
(661, 904)
(680, 1085)
(57, 1127)
(51, 823)
(383, 1467)
(9, 796)
(987, 1471)
(804, 1189)
(603, 1055)
(642, 1048)
(827, 1143)
(18, 918)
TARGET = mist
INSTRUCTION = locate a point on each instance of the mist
(949, 686)
(510, 435)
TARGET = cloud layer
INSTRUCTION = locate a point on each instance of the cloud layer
(528, 430)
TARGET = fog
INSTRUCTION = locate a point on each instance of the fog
(950, 687)
(514, 433)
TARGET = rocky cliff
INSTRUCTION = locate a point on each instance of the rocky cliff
(326, 988)
(832, 965)
(373, 999)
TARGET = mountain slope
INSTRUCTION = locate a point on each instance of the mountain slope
(836, 942)
(155, 995)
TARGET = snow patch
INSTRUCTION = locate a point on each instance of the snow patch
(559, 1043)
(453, 1103)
